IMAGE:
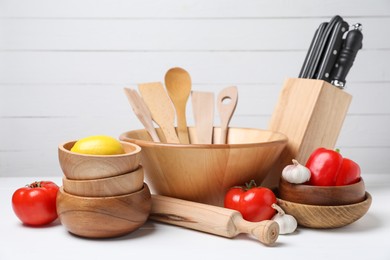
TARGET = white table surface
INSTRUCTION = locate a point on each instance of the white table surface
(367, 238)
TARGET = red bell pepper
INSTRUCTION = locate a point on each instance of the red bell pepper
(329, 168)
(349, 173)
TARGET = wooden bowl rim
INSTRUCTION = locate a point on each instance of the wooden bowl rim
(145, 188)
(139, 168)
(137, 149)
(282, 138)
(367, 200)
(306, 186)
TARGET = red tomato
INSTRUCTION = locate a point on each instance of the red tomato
(35, 204)
(254, 203)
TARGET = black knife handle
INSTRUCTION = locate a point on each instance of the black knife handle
(353, 43)
(331, 52)
(311, 52)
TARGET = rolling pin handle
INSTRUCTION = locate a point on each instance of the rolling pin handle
(266, 231)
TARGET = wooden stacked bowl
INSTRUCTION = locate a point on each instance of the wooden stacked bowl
(102, 195)
(324, 206)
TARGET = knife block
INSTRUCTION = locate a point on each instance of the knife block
(311, 114)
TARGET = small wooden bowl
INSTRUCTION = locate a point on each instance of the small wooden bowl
(204, 172)
(103, 217)
(105, 187)
(322, 217)
(77, 166)
(322, 195)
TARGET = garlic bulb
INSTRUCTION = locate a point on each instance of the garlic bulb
(287, 223)
(296, 173)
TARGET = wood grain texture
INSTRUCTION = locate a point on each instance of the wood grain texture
(321, 217)
(311, 114)
(211, 219)
(178, 84)
(105, 187)
(161, 108)
(203, 105)
(226, 103)
(141, 110)
(322, 195)
(103, 217)
(78, 166)
(204, 172)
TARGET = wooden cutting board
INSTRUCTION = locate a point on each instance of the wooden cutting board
(311, 114)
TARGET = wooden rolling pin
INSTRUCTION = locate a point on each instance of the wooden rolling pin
(211, 219)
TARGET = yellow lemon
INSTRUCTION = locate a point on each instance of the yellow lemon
(98, 145)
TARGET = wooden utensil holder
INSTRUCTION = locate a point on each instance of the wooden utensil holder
(310, 113)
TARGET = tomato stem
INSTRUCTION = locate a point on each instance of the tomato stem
(36, 184)
(250, 185)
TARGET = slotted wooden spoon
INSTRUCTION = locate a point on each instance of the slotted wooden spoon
(226, 102)
(161, 108)
(203, 110)
(178, 84)
(142, 112)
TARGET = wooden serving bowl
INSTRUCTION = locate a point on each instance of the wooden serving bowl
(103, 217)
(76, 166)
(321, 217)
(204, 172)
(322, 195)
(105, 187)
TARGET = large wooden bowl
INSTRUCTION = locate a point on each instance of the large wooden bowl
(322, 217)
(103, 217)
(322, 195)
(76, 166)
(204, 172)
(105, 187)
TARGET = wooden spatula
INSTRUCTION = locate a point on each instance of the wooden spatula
(203, 110)
(226, 102)
(142, 112)
(161, 108)
(211, 219)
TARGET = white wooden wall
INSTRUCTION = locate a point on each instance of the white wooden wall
(63, 65)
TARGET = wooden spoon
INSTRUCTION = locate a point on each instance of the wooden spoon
(160, 106)
(226, 102)
(178, 84)
(142, 112)
(203, 109)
